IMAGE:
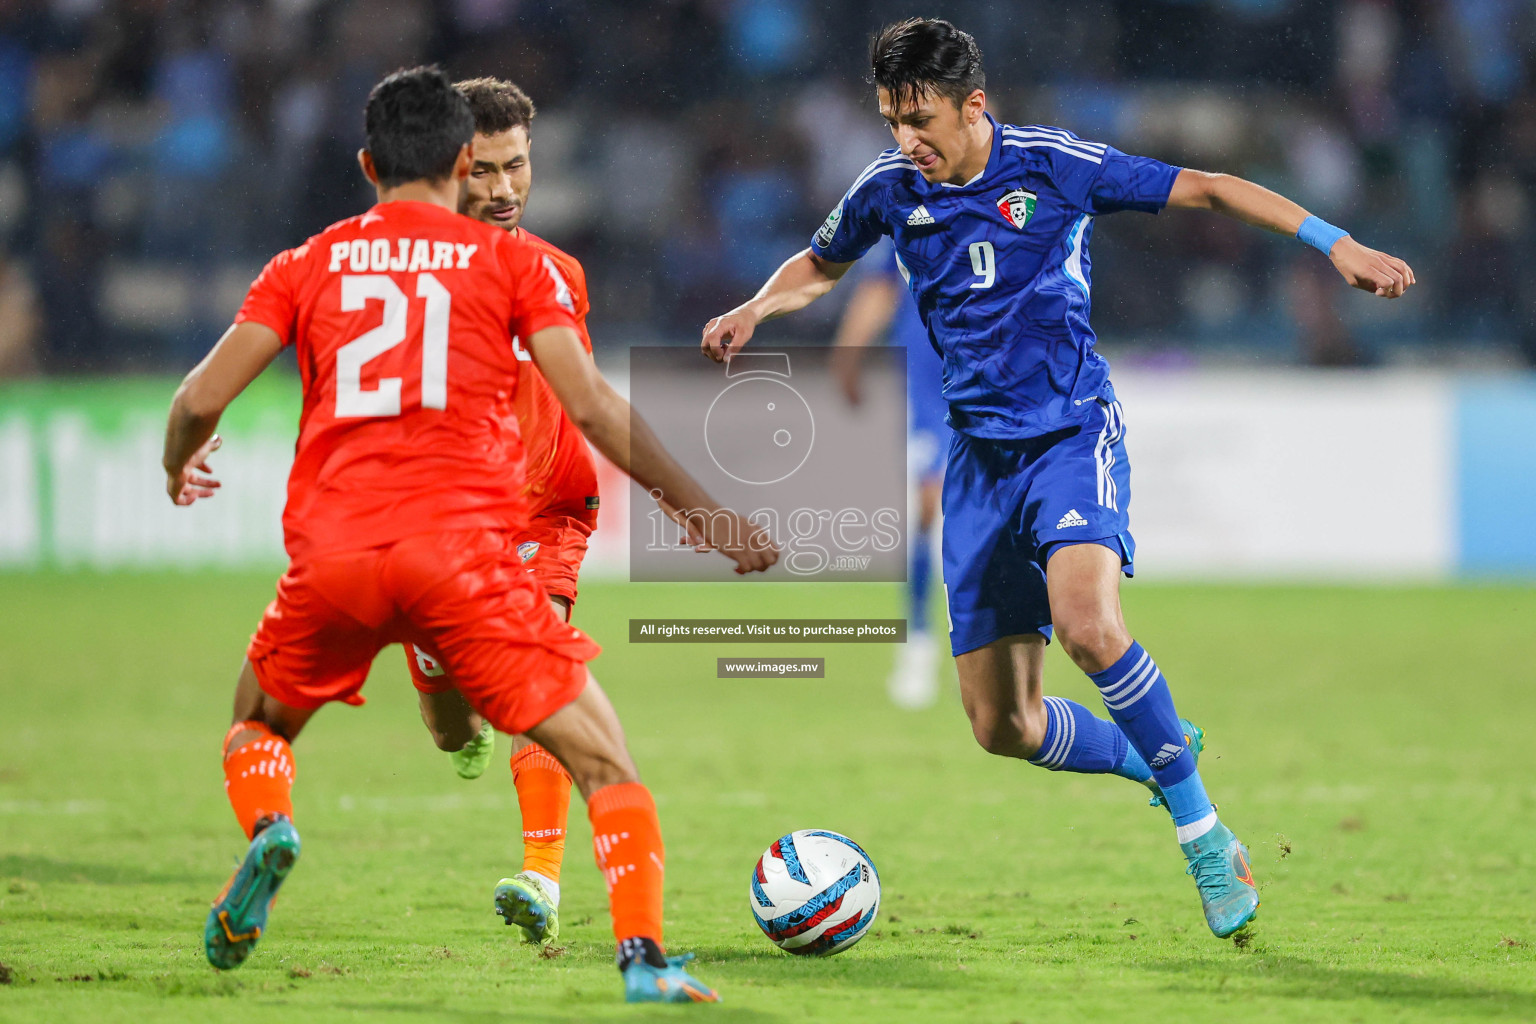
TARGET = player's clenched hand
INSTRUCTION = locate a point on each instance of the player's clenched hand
(1369, 270)
(743, 542)
(728, 333)
(194, 480)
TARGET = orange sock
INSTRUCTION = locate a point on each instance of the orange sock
(258, 775)
(626, 837)
(544, 796)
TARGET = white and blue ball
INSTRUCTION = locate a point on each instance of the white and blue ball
(814, 892)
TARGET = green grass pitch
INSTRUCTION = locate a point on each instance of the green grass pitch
(1373, 746)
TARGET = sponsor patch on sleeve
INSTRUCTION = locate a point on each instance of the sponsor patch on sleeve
(829, 227)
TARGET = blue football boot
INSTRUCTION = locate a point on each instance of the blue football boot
(670, 984)
(239, 915)
(1224, 877)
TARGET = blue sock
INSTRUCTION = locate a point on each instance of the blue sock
(1138, 699)
(1188, 795)
(1077, 741)
(919, 581)
(1132, 766)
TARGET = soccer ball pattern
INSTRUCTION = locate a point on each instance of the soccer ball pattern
(814, 893)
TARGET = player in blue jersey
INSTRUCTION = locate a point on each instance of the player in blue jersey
(992, 222)
(880, 305)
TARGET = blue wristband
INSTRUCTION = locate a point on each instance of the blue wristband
(1319, 234)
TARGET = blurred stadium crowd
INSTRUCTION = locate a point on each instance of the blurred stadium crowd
(154, 152)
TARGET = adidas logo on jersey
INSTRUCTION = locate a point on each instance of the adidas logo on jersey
(919, 217)
(1070, 519)
(1165, 756)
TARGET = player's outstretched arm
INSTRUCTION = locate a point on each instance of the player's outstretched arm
(1366, 269)
(619, 433)
(245, 350)
(800, 281)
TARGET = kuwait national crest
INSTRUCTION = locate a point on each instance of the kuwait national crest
(1017, 206)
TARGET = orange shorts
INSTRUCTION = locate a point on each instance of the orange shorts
(464, 595)
(552, 548)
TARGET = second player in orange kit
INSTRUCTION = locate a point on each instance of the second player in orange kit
(563, 500)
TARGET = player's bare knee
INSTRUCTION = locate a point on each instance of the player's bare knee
(1093, 642)
(252, 704)
(609, 768)
(452, 723)
(1001, 733)
(452, 737)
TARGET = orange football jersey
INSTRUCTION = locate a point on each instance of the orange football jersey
(561, 474)
(403, 320)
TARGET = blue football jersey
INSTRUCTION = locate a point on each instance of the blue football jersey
(999, 268)
(925, 372)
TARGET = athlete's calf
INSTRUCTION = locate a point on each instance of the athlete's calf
(1000, 687)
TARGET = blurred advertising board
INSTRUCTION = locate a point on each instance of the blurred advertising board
(81, 484)
(1348, 476)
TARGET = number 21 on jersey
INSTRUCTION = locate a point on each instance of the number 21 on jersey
(384, 400)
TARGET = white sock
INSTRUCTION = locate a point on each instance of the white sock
(1195, 829)
(550, 886)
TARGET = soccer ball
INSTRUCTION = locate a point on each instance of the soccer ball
(815, 893)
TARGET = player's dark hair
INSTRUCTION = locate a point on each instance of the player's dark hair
(498, 105)
(926, 55)
(416, 121)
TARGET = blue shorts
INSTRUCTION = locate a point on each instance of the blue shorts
(1008, 503)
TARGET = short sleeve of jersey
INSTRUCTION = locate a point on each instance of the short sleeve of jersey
(578, 284)
(853, 228)
(273, 298)
(541, 296)
(1127, 182)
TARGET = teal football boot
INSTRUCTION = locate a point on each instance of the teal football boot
(522, 900)
(239, 915)
(471, 761)
(670, 984)
(1194, 739)
(1224, 877)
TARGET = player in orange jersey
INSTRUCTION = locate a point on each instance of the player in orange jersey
(562, 495)
(406, 498)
